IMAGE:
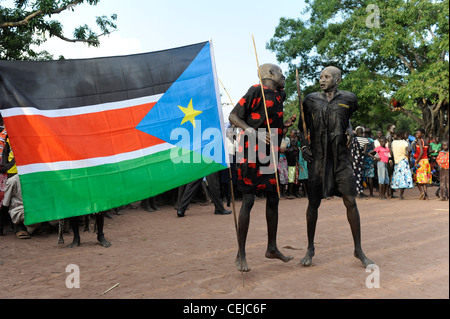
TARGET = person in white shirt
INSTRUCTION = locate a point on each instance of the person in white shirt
(402, 177)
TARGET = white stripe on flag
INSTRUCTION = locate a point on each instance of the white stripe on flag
(83, 109)
(91, 162)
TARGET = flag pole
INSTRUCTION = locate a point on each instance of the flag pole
(232, 192)
(267, 117)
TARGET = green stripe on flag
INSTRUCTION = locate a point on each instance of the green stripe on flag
(54, 195)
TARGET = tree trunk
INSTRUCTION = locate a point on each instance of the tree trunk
(435, 118)
(443, 121)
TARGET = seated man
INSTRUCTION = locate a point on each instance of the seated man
(12, 203)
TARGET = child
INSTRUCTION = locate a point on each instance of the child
(442, 161)
(423, 168)
(402, 177)
(383, 158)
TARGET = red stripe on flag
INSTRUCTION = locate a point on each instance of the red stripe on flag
(40, 139)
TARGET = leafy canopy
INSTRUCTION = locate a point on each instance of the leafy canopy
(386, 50)
(27, 24)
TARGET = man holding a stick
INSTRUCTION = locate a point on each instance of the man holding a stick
(255, 157)
(327, 118)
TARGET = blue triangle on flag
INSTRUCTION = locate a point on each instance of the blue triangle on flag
(187, 115)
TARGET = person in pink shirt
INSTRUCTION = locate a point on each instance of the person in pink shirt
(381, 155)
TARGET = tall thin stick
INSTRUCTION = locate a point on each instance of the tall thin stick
(299, 93)
(267, 118)
(232, 194)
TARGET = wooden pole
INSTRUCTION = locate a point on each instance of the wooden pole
(267, 118)
(232, 193)
(305, 133)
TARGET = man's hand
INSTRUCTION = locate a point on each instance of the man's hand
(290, 121)
(307, 153)
(263, 136)
(349, 137)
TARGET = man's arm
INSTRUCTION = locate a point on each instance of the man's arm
(349, 133)
(238, 122)
(302, 125)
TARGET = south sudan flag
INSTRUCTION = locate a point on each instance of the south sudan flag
(93, 134)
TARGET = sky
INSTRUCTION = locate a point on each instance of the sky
(150, 25)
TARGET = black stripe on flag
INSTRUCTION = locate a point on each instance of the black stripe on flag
(59, 84)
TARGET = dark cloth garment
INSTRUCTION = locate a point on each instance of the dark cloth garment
(250, 109)
(225, 174)
(292, 153)
(357, 152)
(214, 191)
(330, 172)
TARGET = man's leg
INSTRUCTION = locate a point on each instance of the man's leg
(214, 190)
(272, 227)
(73, 222)
(355, 226)
(248, 199)
(188, 194)
(179, 196)
(100, 219)
(311, 221)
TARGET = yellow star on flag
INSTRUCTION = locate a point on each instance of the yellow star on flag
(189, 113)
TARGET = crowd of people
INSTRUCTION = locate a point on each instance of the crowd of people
(384, 163)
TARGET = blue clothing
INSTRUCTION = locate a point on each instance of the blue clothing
(383, 176)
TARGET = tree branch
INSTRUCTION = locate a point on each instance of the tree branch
(411, 115)
(74, 40)
(432, 33)
(93, 42)
(35, 14)
(406, 62)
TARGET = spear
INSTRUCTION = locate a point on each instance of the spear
(267, 117)
(306, 151)
(299, 93)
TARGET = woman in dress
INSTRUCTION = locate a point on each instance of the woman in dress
(423, 172)
(402, 177)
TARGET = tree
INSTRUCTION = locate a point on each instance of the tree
(393, 54)
(27, 25)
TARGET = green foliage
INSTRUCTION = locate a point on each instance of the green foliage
(386, 50)
(29, 23)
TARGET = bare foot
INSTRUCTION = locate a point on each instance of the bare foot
(241, 265)
(102, 240)
(365, 261)
(278, 255)
(75, 243)
(307, 260)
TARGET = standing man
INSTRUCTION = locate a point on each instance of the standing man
(330, 170)
(256, 169)
(191, 190)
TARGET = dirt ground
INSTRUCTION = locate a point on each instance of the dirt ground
(160, 256)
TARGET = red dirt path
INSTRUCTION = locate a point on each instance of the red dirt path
(158, 255)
